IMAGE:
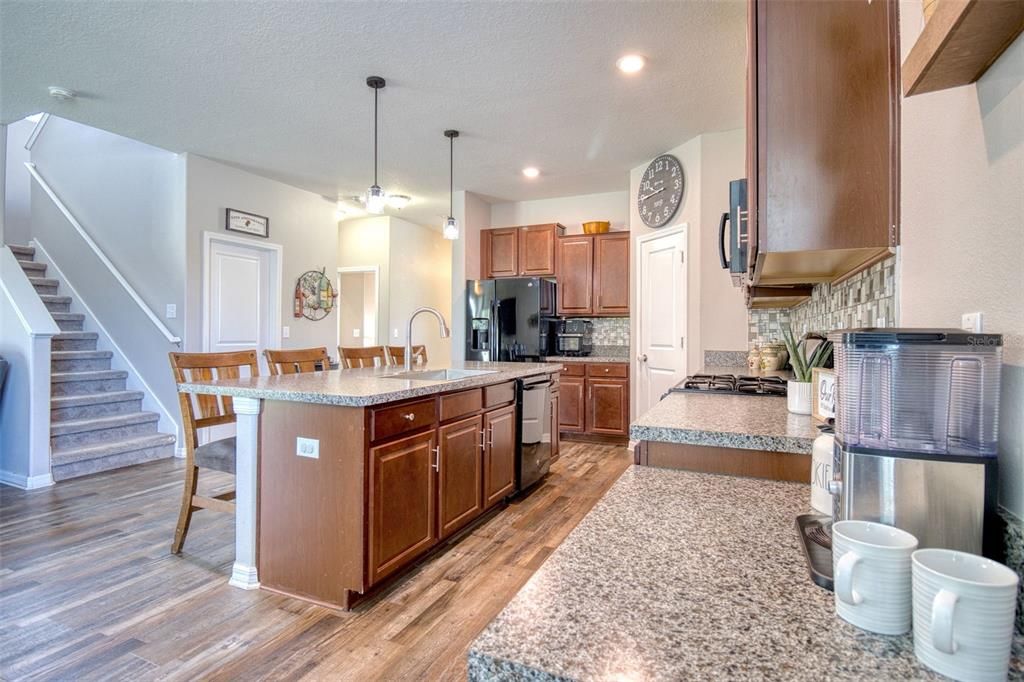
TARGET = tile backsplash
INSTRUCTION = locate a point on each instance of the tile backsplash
(611, 331)
(865, 300)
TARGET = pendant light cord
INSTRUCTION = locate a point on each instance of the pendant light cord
(451, 176)
(376, 91)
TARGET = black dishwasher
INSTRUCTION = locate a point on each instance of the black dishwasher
(533, 437)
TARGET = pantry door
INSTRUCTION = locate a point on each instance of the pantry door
(661, 298)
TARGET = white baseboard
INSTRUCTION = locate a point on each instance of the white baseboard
(26, 482)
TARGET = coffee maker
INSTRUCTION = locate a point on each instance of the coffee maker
(916, 440)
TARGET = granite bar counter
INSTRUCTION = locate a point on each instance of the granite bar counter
(366, 386)
(678, 575)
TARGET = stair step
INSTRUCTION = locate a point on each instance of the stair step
(23, 252)
(79, 360)
(74, 341)
(33, 268)
(81, 461)
(81, 432)
(56, 304)
(91, 381)
(45, 285)
(72, 407)
(68, 322)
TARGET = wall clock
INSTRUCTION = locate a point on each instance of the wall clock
(661, 191)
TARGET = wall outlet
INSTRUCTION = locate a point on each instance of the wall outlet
(396, 333)
(286, 332)
(172, 311)
(880, 321)
(307, 447)
(355, 333)
(972, 322)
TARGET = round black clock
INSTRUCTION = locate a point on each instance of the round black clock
(661, 191)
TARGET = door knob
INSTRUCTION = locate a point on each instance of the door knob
(642, 358)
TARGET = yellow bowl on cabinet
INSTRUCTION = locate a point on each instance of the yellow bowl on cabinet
(596, 227)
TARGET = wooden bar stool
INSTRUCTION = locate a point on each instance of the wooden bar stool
(297, 361)
(214, 410)
(351, 358)
(397, 353)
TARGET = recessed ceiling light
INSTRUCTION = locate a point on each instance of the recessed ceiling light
(630, 63)
(531, 172)
(398, 201)
(62, 94)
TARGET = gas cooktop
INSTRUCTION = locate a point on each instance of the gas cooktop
(731, 384)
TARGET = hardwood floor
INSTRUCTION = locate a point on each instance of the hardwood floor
(89, 589)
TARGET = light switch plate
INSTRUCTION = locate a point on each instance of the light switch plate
(307, 447)
(972, 322)
(396, 333)
(172, 311)
(355, 333)
(286, 332)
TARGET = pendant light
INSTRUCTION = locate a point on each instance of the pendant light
(451, 225)
(376, 199)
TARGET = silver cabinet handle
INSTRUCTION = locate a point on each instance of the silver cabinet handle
(437, 458)
(606, 370)
(410, 416)
(490, 440)
(482, 439)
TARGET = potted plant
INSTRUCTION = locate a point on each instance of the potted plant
(798, 389)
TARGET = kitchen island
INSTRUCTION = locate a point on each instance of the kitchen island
(678, 575)
(345, 478)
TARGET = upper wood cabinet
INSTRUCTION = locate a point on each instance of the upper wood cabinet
(519, 251)
(593, 274)
(822, 134)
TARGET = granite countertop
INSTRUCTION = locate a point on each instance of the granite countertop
(746, 422)
(367, 386)
(598, 354)
(679, 575)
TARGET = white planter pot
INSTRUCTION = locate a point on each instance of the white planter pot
(798, 397)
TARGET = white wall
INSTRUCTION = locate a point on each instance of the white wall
(723, 309)
(17, 209)
(420, 275)
(302, 222)
(571, 211)
(351, 313)
(962, 231)
(366, 242)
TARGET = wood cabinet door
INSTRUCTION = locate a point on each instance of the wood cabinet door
(460, 474)
(571, 404)
(499, 252)
(575, 275)
(611, 274)
(555, 442)
(499, 455)
(403, 498)
(827, 179)
(608, 406)
(752, 155)
(537, 250)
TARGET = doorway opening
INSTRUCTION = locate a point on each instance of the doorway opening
(358, 306)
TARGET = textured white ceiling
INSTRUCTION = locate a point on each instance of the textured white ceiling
(279, 87)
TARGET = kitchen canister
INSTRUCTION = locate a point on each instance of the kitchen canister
(871, 573)
(963, 614)
(822, 454)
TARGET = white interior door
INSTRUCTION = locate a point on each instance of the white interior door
(662, 325)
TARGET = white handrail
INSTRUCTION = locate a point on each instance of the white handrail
(38, 128)
(102, 256)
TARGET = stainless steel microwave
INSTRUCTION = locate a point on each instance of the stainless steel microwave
(732, 233)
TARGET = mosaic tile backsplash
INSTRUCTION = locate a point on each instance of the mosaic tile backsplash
(611, 331)
(865, 300)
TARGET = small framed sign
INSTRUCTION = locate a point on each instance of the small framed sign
(823, 398)
(246, 223)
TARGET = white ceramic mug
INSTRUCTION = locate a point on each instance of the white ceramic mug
(963, 614)
(871, 575)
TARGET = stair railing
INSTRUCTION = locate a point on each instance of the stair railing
(168, 334)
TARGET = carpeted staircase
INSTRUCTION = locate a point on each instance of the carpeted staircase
(95, 424)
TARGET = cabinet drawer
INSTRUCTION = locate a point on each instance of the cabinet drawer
(453, 405)
(392, 421)
(607, 369)
(499, 394)
(572, 369)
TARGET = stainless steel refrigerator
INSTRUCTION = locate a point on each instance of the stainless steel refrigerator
(508, 320)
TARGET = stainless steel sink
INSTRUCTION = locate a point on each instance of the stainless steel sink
(439, 374)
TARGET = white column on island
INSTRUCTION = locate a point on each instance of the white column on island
(243, 574)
